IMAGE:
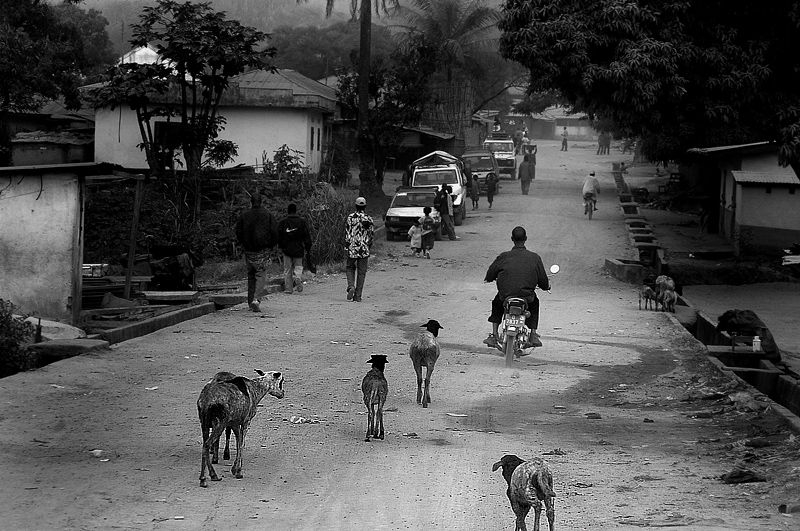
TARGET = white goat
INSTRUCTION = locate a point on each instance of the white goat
(529, 483)
(424, 352)
(232, 404)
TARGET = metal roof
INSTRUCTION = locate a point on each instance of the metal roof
(284, 79)
(718, 149)
(785, 176)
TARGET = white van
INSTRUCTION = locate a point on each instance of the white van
(503, 148)
(438, 168)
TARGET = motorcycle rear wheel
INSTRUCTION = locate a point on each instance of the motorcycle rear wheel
(508, 350)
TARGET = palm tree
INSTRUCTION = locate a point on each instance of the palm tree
(364, 8)
(464, 29)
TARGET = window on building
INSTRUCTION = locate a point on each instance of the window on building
(319, 140)
(312, 138)
(769, 189)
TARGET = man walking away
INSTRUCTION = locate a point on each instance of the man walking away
(527, 172)
(564, 135)
(294, 240)
(256, 231)
(358, 236)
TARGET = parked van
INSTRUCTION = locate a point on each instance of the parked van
(438, 168)
(482, 163)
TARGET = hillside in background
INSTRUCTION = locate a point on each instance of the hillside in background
(263, 15)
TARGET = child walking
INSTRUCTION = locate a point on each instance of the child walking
(475, 191)
(428, 235)
(415, 233)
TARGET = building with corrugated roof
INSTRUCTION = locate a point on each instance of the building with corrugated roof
(262, 110)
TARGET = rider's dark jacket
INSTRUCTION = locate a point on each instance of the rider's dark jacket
(518, 272)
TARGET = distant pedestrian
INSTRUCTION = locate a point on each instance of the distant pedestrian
(295, 241)
(475, 192)
(415, 233)
(564, 143)
(491, 188)
(428, 231)
(527, 172)
(256, 231)
(358, 237)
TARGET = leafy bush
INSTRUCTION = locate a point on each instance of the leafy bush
(15, 334)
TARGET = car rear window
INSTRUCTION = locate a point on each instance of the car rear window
(413, 200)
(422, 178)
(480, 163)
(499, 146)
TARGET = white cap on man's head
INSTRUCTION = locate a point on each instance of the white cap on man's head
(361, 201)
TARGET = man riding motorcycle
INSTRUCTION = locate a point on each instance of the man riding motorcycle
(518, 273)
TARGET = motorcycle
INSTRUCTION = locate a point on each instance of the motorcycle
(513, 333)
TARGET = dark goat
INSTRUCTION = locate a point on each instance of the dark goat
(424, 352)
(529, 483)
(375, 389)
(232, 404)
(221, 376)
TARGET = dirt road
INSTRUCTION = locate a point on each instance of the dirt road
(663, 429)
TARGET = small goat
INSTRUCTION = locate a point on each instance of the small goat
(668, 298)
(375, 389)
(231, 403)
(424, 352)
(647, 294)
(529, 483)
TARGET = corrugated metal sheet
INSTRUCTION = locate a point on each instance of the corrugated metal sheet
(288, 80)
(702, 151)
(786, 176)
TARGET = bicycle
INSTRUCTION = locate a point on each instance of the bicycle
(589, 204)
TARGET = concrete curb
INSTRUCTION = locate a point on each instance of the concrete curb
(49, 352)
(148, 326)
(791, 419)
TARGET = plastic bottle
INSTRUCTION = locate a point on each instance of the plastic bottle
(756, 344)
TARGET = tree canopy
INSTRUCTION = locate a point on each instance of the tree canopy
(676, 73)
(317, 52)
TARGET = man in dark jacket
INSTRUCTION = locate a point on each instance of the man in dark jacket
(256, 230)
(518, 273)
(294, 240)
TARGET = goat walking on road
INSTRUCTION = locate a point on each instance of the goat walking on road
(424, 352)
(529, 483)
(649, 296)
(375, 389)
(231, 403)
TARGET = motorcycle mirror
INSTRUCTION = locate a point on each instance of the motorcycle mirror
(555, 268)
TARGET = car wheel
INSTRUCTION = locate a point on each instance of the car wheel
(437, 236)
(458, 217)
(390, 236)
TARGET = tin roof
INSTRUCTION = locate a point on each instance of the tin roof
(284, 79)
(783, 176)
(718, 149)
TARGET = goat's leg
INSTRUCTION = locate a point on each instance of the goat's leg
(208, 445)
(418, 370)
(551, 513)
(236, 469)
(521, 511)
(380, 421)
(426, 399)
(370, 421)
(537, 510)
(227, 454)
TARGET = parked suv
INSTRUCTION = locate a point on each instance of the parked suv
(482, 163)
(407, 205)
(438, 168)
(501, 145)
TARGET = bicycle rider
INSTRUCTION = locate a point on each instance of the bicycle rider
(591, 189)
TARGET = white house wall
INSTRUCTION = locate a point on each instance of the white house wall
(254, 130)
(40, 253)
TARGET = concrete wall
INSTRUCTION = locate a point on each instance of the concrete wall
(253, 129)
(43, 153)
(40, 246)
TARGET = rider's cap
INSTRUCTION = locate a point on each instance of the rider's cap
(519, 233)
(361, 201)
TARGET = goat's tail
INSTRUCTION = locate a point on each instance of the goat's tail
(214, 412)
(540, 486)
